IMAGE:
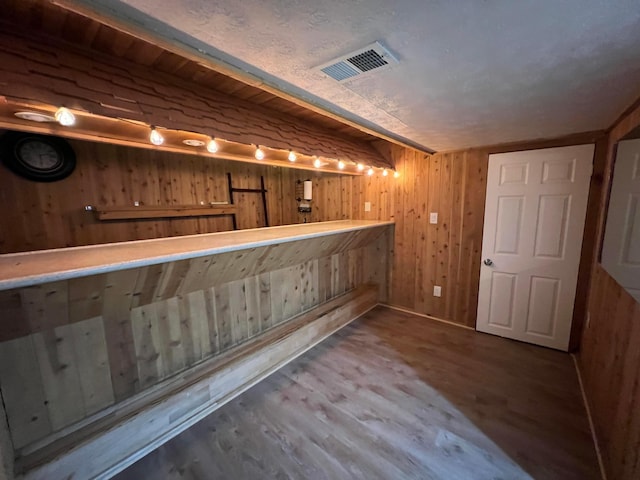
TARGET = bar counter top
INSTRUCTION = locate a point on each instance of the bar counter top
(32, 268)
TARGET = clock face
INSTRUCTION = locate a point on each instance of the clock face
(42, 158)
(39, 155)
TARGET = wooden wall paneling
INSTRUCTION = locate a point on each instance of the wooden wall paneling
(22, 392)
(123, 291)
(252, 300)
(610, 365)
(46, 306)
(375, 265)
(177, 404)
(291, 293)
(238, 312)
(266, 317)
(170, 329)
(324, 278)
(52, 215)
(404, 256)
(92, 358)
(146, 337)
(455, 218)
(441, 254)
(15, 322)
(6, 447)
(196, 324)
(309, 284)
(85, 297)
(426, 187)
(609, 358)
(472, 227)
(59, 376)
(101, 339)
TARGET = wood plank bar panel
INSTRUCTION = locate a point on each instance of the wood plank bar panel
(91, 329)
(138, 428)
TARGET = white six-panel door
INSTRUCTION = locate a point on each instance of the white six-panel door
(534, 218)
(621, 248)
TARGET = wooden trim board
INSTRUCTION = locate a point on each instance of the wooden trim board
(102, 449)
(592, 427)
(155, 211)
(32, 268)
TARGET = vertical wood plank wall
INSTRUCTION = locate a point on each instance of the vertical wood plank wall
(69, 349)
(447, 254)
(35, 215)
(609, 358)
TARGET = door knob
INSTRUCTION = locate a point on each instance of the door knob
(488, 262)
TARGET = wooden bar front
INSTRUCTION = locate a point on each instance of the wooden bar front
(88, 331)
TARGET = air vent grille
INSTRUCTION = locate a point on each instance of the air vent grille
(341, 71)
(368, 60)
(371, 57)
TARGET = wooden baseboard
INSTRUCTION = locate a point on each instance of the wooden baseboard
(112, 443)
(406, 310)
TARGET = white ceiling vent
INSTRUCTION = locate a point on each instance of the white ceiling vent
(371, 57)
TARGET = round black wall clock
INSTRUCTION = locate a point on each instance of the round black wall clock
(37, 157)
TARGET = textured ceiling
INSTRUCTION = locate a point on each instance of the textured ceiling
(471, 72)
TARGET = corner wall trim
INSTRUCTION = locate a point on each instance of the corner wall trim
(591, 424)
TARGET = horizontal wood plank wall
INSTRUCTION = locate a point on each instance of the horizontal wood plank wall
(43, 70)
(69, 349)
(36, 215)
(609, 358)
(447, 254)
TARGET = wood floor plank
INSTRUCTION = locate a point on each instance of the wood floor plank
(396, 396)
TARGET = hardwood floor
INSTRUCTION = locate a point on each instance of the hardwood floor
(395, 396)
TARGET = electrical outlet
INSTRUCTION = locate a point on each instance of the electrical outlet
(433, 217)
(367, 206)
(437, 291)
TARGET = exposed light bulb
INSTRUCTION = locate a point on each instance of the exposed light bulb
(384, 172)
(259, 153)
(155, 137)
(317, 163)
(212, 146)
(370, 171)
(64, 117)
(292, 156)
(360, 167)
(396, 174)
(341, 165)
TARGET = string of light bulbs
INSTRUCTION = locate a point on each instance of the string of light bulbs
(66, 118)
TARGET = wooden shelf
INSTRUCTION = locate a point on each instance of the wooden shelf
(174, 211)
